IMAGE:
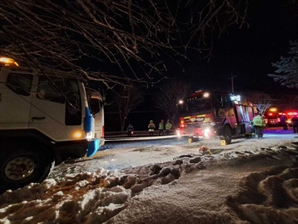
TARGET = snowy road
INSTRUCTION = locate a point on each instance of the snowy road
(118, 156)
(249, 181)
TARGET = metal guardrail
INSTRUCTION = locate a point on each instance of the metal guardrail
(112, 134)
(144, 135)
(121, 136)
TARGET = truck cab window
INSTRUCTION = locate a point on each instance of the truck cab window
(73, 111)
(219, 102)
(95, 101)
(20, 83)
(72, 92)
(94, 106)
(227, 101)
(47, 91)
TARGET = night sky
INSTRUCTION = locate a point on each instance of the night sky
(247, 53)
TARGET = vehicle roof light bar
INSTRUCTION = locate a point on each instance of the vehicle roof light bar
(8, 61)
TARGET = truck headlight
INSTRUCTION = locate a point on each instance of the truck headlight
(207, 132)
(78, 134)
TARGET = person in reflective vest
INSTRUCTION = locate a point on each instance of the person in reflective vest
(168, 127)
(151, 127)
(161, 128)
(259, 124)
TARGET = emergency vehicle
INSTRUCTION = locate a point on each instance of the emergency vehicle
(273, 116)
(44, 119)
(207, 114)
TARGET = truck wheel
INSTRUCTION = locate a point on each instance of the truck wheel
(227, 133)
(20, 166)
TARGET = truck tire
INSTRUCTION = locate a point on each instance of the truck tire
(227, 134)
(22, 165)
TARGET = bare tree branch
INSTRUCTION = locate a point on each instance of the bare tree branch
(261, 101)
(168, 96)
(126, 101)
(110, 41)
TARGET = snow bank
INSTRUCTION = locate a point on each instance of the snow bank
(82, 198)
(268, 197)
(201, 187)
(208, 190)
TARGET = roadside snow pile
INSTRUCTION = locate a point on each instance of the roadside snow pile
(171, 170)
(114, 197)
(208, 190)
(268, 197)
(83, 198)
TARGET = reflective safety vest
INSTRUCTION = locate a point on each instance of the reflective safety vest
(161, 126)
(168, 126)
(258, 121)
(151, 127)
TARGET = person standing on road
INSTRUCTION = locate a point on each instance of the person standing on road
(259, 124)
(151, 127)
(161, 128)
(129, 130)
(168, 127)
(283, 121)
(295, 123)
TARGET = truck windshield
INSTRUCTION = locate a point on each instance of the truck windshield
(197, 105)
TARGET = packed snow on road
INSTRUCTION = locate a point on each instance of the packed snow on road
(248, 181)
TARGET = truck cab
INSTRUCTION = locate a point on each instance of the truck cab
(206, 114)
(45, 118)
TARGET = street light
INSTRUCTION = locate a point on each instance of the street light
(206, 95)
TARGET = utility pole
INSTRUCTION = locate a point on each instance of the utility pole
(232, 81)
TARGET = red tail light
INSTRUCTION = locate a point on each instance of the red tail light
(182, 125)
(103, 131)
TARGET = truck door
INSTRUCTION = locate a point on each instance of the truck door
(51, 112)
(244, 113)
(15, 99)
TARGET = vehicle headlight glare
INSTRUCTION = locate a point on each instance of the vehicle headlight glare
(89, 136)
(207, 132)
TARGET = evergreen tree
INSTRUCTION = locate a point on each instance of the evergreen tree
(287, 68)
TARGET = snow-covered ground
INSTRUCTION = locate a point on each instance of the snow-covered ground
(249, 181)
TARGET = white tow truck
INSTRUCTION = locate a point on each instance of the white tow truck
(44, 120)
